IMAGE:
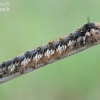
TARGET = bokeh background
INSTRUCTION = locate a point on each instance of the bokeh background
(31, 23)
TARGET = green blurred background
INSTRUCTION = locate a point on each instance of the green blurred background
(31, 23)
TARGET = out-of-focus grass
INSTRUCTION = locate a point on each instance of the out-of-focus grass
(31, 23)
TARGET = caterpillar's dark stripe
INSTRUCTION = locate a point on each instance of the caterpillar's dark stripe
(53, 50)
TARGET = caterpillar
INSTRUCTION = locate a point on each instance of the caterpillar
(86, 34)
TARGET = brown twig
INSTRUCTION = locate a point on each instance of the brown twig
(17, 74)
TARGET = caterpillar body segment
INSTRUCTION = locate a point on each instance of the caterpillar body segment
(62, 46)
(46, 54)
(93, 36)
(21, 63)
(34, 58)
(68, 40)
(57, 48)
(10, 68)
(31, 57)
(39, 55)
(4, 68)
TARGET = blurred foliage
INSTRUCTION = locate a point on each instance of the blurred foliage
(31, 23)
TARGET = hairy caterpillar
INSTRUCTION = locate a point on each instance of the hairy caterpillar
(53, 50)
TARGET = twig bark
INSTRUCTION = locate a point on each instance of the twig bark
(17, 74)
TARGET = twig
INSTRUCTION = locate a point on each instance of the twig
(17, 74)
